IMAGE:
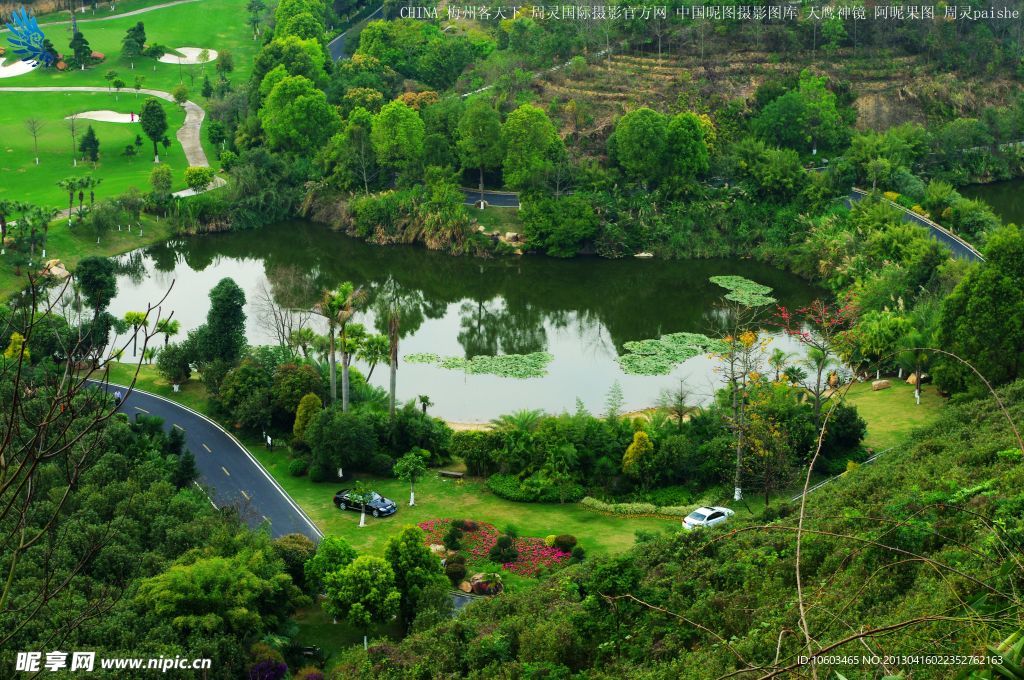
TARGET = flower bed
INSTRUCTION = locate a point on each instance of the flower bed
(534, 555)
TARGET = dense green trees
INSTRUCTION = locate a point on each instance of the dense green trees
(296, 116)
(983, 318)
(807, 118)
(479, 137)
(397, 135)
(416, 570)
(531, 145)
(363, 593)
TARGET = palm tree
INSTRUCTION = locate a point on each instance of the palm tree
(778, 360)
(425, 402)
(795, 375)
(149, 354)
(524, 420)
(817, 361)
(338, 307)
(7, 209)
(914, 358)
(70, 185)
(302, 339)
(373, 350)
(168, 327)
(136, 320)
(393, 326)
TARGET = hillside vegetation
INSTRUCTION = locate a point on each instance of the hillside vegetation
(918, 553)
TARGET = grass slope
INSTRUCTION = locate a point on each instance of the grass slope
(214, 24)
(891, 414)
(26, 181)
(71, 246)
(932, 529)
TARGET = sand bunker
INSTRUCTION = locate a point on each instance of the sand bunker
(190, 55)
(16, 68)
(108, 117)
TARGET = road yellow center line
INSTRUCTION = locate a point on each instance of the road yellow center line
(179, 427)
(207, 448)
(225, 470)
(246, 496)
(137, 408)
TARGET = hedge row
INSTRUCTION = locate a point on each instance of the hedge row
(637, 508)
(532, 490)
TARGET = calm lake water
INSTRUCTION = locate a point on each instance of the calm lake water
(1006, 198)
(580, 310)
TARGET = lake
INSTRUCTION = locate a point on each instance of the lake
(580, 310)
(1006, 198)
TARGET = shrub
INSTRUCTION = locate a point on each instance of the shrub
(565, 542)
(458, 558)
(452, 538)
(459, 523)
(319, 473)
(455, 571)
(470, 524)
(174, 363)
(578, 553)
(637, 508)
(534, 489)
(298, 467)
(309, 673)
(381, 464)
(511, 530)
(504, 550)
(549, 540)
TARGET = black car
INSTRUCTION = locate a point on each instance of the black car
(376, 505)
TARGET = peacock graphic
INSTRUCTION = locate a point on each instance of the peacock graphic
(27, 40)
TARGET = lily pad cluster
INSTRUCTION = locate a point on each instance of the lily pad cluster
(660, 356)
(744, 291)
(533, 365)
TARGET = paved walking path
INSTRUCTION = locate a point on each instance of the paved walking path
(188, 134)
(108, 17)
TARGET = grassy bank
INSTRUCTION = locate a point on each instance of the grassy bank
(71, 245)
(891, 414)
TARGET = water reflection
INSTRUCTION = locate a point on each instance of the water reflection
(581, 311)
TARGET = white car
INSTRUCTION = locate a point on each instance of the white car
(707, 517)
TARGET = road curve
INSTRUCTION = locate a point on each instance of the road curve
(227, 471)
(495, 199)
(337, 46)
(961, 249)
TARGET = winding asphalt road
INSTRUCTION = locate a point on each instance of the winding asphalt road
(227, 471)
(337, 46)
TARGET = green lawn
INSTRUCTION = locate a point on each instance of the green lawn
(213, 24)
(435, 496)
(317, 629)
(501, 219)
(891, 414)
(26, 181)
